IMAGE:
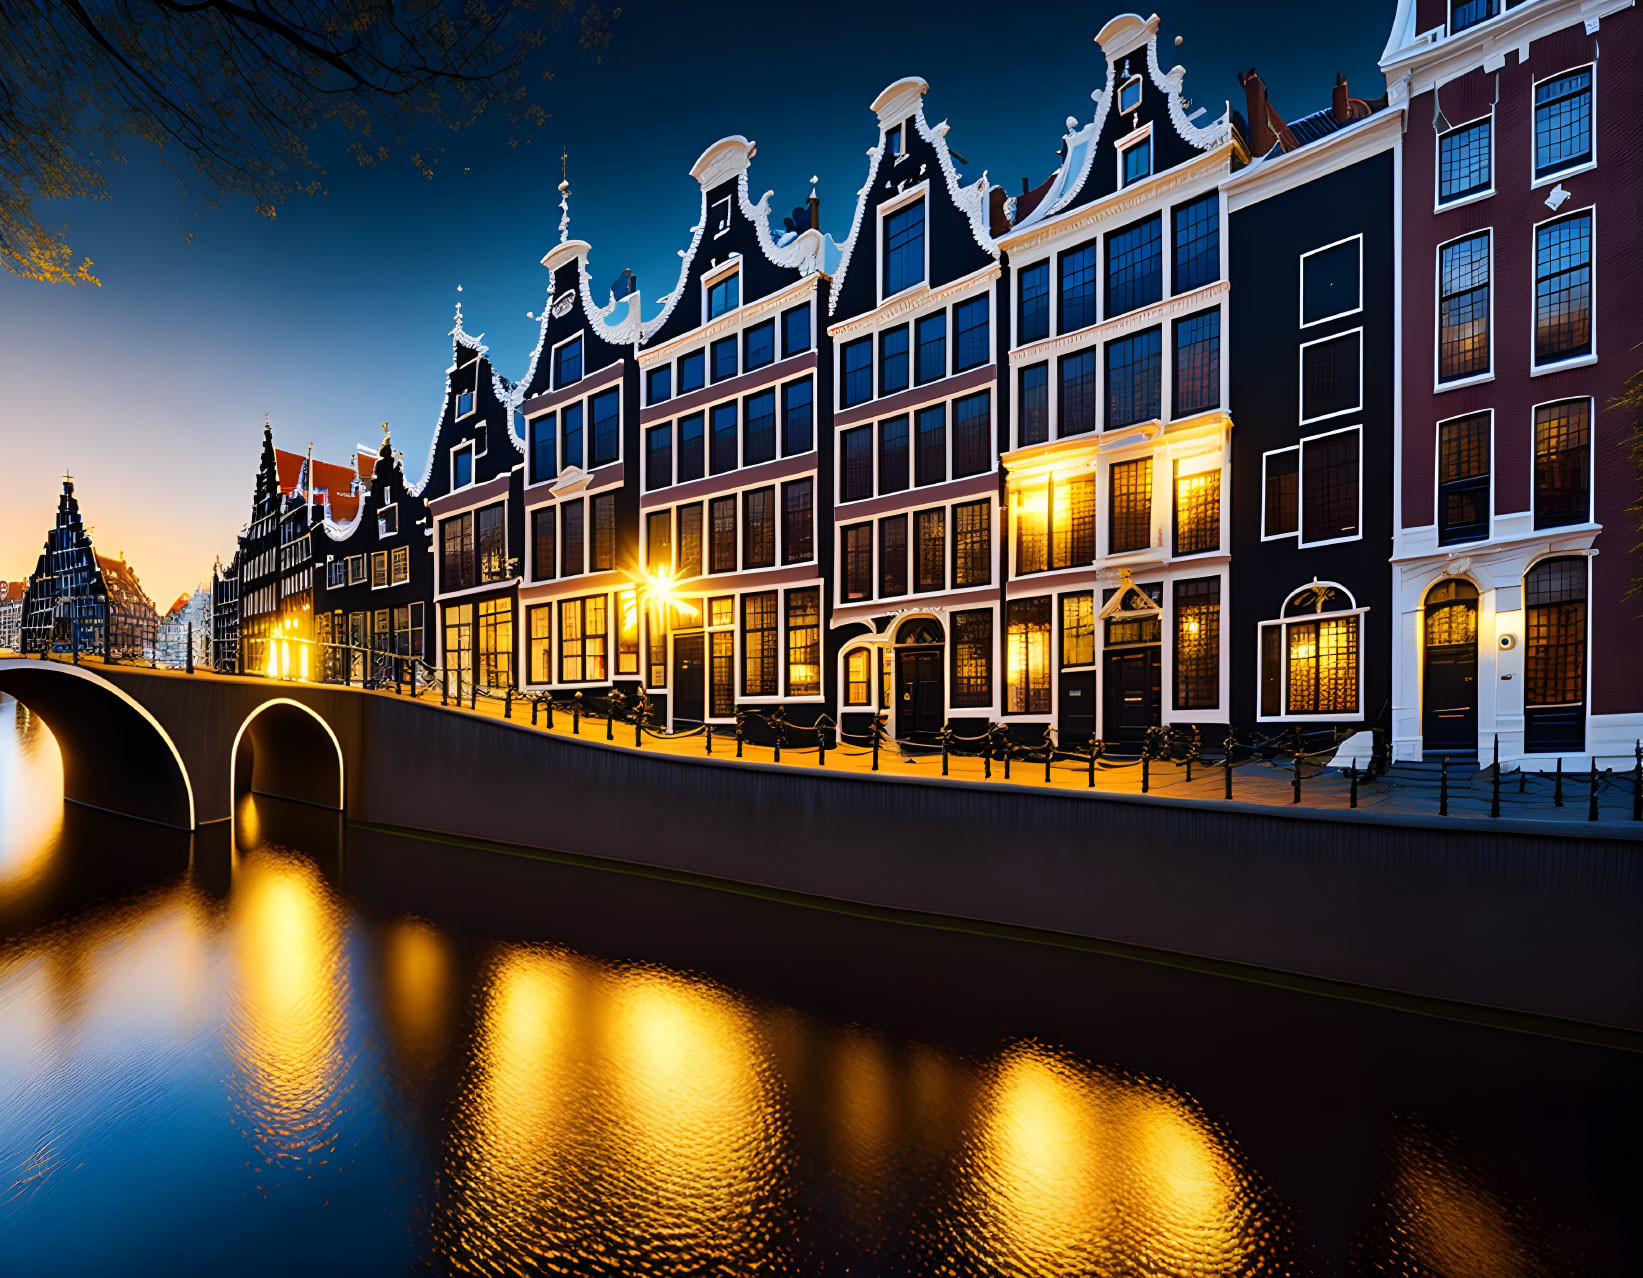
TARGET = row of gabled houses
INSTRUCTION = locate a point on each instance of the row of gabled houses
(1234, 421)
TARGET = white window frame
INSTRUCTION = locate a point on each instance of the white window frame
(710, 280)
(728, 203)
(382, 512)
(1300, 378)
(1573, 361)
(1301, 301)
(1283, 622)
(1140, 87)
(553, 360)
(1558, 175)
(1274, 452)
(1129, 142)
(1439, 204)
(912, 195)
(473, 474)
(1488, 374)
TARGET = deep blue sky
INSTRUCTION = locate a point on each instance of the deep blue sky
(334, 316)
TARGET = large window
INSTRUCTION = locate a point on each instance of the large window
(972, 658)
(1033, 424)
(1554, 689)
(1027, 656)
(1055, 525)
(1329, 486)
(1468, 13)
(1129, 509)
(492, 535)
(1078, 288)
(539, 633)
(972, 435)
(894, 368)
(930, 533)
(798, 418)
(692, 371)
(857, 551)
(721, 554)
(1197, 363)
(970, 334)
(858, 677)
(456, 537)
(804, 642)
(1135, 266)
(856, 372)
(1135, 161)
(544, 462)
(856, 470)
(1310, 658)
(722, 359)
(544, 524)
(1197, 504)
(659, 541)
(571, 440)
(493, 655)
(1076, 406)
(903, 247)
(604, 410)
(1465, 165)
(972, 544)
(1198, 644)
(798, 521)
(1563, 122)
(1563, 289)
(583, 640)
(567, 363)
(1463, 479)
(759, 428)
(796, 330)
(659, 384)
(893, 454)
(930, 446)
(759, 644)
(724, 442)
(1332, 376)
(1332, 281)
(932, 347)
(1463, 308)
(892, 556)
(1197, 259)
(1078, 629)
(1033, 311)
(759, 345)
(759, 528)
(1281, 493)
(1134, 374)
(722, 295)
(690, 540)
(1563, 463)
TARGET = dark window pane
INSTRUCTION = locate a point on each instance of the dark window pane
(690, 540)
(692, 371)
(1134, 376)
(1033, 320)
(893, 368)
(721, 552)
(724, 358)
(573, 434)
(759, 345)
(856, 372)
(722, 295)
(1076, 403)
(544, 459)
(571, 556)
(796, 330)
(1329, 282)
(759, 644)
(857, 543)
(1130, 518)
(972, 544)
(1463, 479)
(1563, 122)
(798, 522)
(972, 435)
(970, 330)
(1563, 289)
(1282, 512)
(604, 533)
(605, 411)
(1329, 487)
(690, 447)
(658, 456)
(930, 458)
(1468, 13)
(1197, 244)
(1197, 363)
(567, 363)
(759, 528)
(973, 658)
(932, 347)
(1135, 267)
(1078, 288)
(1563, 463)
(892, 556)
(1463, 308)
(1554, 596)
(903, 248)
(798, 429)
(1330, 376)
(1034, 395)
(930, 528)
(724, 437)
(659, 384)
(856, 472)
(893, 454)
(1463, 161)
(759, 427)
(544, 524)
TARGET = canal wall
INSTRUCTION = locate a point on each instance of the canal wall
(1502, 914)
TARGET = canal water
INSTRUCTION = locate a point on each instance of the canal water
(316, 1050)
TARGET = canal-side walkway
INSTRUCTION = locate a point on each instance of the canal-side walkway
(1270, 778)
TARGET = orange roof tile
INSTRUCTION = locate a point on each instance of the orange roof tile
(327, 475)
(344, 506)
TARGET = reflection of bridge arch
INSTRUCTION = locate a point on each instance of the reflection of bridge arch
(277, 751)
(116, 756)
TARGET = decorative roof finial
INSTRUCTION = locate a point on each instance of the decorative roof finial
(385, 434)
(564, 196)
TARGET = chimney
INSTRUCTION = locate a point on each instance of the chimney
(814, 202)
(1266, 126)
(1342, 105)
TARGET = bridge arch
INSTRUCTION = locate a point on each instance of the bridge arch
(287, 750)
(116, 756)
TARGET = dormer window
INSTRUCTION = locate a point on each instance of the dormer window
(723, 295)
(903, 247)
(895, 141)
(1129, 95)
(462, 466)
(388, 521)
(464, 403)
(1135, 158)
(567, 362)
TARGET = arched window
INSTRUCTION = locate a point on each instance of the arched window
(1310, 663)
(858, 677)
(1554, 684)
(921, 630)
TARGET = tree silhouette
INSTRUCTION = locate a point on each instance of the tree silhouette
(239, 92)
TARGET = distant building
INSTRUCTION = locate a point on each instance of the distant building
(11, 615)
(187, 623)
(78, 600)
(225, 616)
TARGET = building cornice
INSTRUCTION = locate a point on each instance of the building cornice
(1167, 309)
(728, 323)
(918, 298)
(1433, 58)
(1275, 175)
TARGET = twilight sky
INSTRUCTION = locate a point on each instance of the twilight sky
(152, 388)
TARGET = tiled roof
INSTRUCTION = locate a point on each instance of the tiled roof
(327, 475)
(12, 591)
(344, 506)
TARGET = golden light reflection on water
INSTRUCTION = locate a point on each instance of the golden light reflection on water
(285, 1021)
(31, 798)
(1073, 1170)
(419, 990)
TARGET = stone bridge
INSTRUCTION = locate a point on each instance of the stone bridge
(1500, 914)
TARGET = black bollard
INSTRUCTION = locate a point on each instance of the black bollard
(1049, 756)
(1637, 782)
(738, 736)
(576, 715)
(1006, 758)
(987, 758)
(707, 733)
(1591, 807)
(1443, 787)
(638, 729)
(190, 657)
(535, 706)
(821, 746)
(444, 684)
(1226, 767)
(550, 712)
(1494, 789)
(1089, 784)
(875, 732)
(1557, 790)
(944, 735)
(1352, 772)
(473, 696)
(507, 702)
(1297, 781)
(1189, 769)
(1146, 775)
